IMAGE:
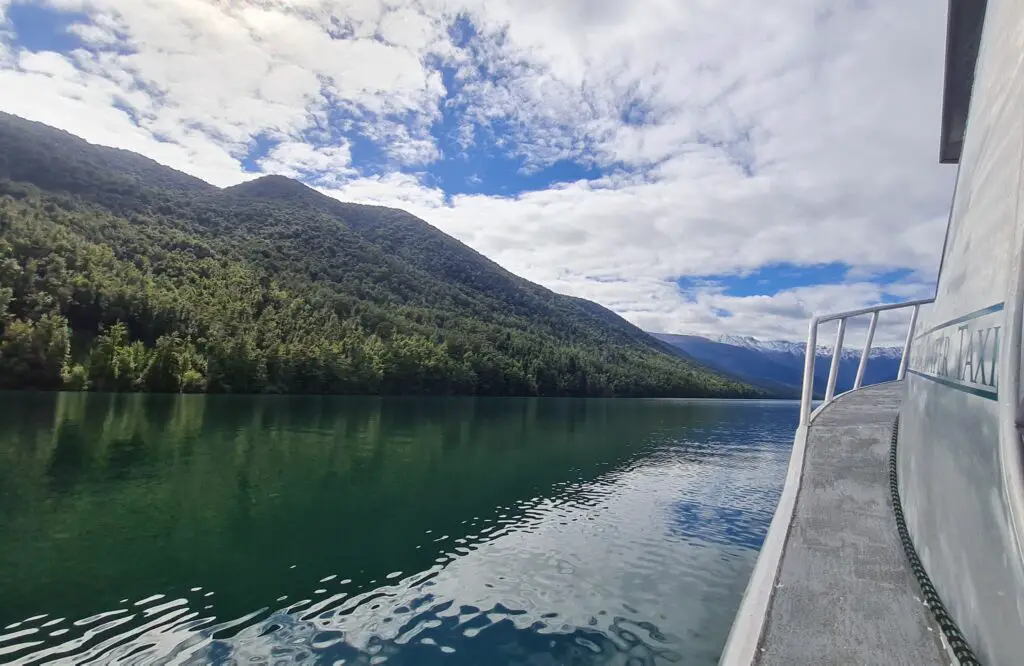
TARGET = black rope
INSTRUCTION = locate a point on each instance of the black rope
(956, 640)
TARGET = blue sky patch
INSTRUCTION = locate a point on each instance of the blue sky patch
(41, 28)
(483, 158)
(259, 148)
(772, 279)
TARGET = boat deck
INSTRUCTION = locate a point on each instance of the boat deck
(845, 593)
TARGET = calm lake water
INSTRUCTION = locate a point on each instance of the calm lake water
(239, 529)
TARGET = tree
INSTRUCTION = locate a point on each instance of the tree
(34, 354)
(6, 296)
(173, 367)
(104, 363)
(16, 355)
(76, 378)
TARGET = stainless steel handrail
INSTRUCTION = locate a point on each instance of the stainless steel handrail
(810, 352)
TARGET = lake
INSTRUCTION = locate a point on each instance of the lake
(419, 531)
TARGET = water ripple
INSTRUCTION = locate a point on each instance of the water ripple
(640, 563)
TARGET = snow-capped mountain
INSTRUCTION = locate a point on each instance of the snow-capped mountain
(778, 365)
(787, 347)
(748, 342)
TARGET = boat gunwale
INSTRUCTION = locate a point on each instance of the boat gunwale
(749, 623)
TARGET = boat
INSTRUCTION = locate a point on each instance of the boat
(898, 534)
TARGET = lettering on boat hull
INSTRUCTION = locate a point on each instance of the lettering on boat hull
(962, 353)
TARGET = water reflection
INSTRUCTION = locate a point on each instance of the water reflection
(233, 529)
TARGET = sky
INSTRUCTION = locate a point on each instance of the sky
(697, 166)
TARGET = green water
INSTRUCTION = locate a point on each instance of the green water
(238, 529)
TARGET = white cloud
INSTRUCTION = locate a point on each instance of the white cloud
(404, 144)
(393, 189)
(102, 32)
(410, 29)
(84, 104)
(296, 159)
(734, 135)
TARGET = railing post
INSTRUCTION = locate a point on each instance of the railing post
(867, 351)
(906, 346)
(833, 370)
(807, 394)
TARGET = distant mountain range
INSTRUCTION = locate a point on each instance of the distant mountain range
(778, 365)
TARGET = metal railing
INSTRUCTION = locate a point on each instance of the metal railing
(810, 353)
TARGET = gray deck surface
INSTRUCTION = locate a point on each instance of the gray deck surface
(845, 593)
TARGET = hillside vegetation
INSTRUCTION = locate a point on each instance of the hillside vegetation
(117, 273)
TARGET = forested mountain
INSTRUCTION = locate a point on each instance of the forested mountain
(117, 273)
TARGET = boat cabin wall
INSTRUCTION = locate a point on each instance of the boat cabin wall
(959, 479)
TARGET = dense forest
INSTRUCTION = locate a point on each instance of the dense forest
(119, 274)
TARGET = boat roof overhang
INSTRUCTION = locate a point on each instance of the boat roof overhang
(963, 37)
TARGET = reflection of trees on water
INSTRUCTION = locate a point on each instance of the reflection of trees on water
(127, 493)
(258, 500)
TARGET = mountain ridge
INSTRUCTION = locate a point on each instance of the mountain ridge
(788, 346)
(778, 365)
(117, 273)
